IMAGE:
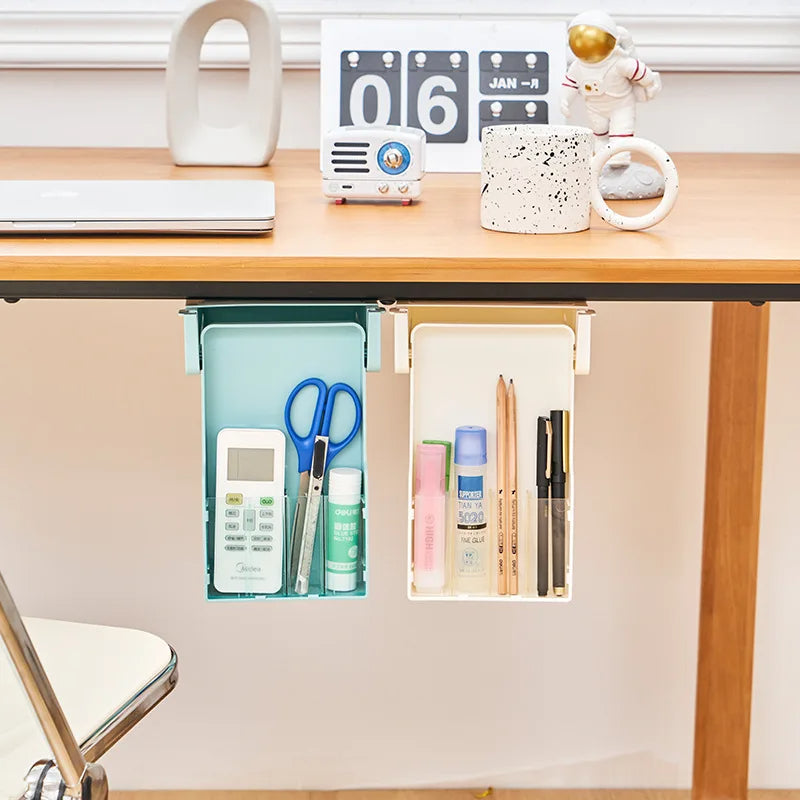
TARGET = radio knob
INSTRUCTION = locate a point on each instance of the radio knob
(402, 187)
(383, 188)
(393, 158)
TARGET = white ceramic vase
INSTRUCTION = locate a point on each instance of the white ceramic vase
(251, 141)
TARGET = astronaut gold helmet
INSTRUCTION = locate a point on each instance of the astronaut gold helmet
(592, 36)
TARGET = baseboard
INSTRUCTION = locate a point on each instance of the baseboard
(108, 36)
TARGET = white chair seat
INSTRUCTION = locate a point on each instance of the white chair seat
(95, 672)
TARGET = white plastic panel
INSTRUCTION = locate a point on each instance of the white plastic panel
(407, 317)
(583, 343)
(401, 343)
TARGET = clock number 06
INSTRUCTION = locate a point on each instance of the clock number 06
(427, 101)
(383, 94)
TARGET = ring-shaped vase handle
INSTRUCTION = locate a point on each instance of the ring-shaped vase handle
(668, 170)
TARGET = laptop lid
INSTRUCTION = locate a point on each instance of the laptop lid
(166, 206)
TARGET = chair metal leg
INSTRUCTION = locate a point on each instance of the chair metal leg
(45, 783)
(83, 779)
(55, 727)
(94, 785)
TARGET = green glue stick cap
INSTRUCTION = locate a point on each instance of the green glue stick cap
(448, 448)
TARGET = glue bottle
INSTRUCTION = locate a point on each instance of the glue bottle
(472, 546)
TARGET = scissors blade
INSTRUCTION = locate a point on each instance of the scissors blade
(297, 525)
(311, 514)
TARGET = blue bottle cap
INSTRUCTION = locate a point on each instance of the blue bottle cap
(470, 446)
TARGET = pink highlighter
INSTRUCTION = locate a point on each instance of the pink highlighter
(429, 518)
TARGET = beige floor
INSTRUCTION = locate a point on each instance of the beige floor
(454, 794)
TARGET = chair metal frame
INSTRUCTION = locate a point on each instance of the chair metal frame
(84, 779)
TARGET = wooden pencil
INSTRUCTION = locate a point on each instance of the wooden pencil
(502, 432)
(511, 487)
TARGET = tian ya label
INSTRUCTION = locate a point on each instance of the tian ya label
(471, 525)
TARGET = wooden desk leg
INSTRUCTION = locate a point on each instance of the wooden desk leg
(730, 550)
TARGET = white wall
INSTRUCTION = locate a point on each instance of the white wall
(101, 521)
(125, 108)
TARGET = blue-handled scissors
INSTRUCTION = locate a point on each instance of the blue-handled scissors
(315, 452)
(320, 421)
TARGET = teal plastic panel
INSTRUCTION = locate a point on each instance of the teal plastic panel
(191, 342)
(205, 314)
(249, 370)
(252, 356)
(374, 339)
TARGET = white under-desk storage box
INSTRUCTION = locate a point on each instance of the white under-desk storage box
(455, 353)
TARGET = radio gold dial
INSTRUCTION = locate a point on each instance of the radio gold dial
(393, 158)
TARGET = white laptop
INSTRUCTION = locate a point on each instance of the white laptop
(171, 206)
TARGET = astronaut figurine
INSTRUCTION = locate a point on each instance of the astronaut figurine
(612, 80)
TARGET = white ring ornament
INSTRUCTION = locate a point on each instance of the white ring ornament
(668, 170)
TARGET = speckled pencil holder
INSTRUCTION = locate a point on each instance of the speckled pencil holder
(544, 179)
(536, 178)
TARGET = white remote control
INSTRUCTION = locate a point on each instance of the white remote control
(248, 525)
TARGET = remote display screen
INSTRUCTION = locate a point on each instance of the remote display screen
(250, 464)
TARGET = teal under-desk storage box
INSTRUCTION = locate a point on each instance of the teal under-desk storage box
(250, 356)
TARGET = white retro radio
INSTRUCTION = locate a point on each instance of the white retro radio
(373, 163)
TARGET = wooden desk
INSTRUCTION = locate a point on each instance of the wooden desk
(732, 236)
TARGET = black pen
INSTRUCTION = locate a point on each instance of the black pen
(558, 485)
(543, 442)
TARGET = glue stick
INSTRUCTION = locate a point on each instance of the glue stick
(472, 548)
(343, 529)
